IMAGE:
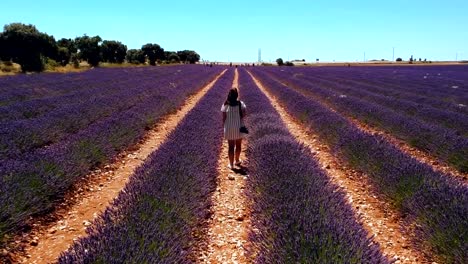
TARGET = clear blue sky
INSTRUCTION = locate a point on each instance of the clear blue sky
(235, 30)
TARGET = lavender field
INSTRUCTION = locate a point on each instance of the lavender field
(437, 203)
(63, 126)
(57, 128)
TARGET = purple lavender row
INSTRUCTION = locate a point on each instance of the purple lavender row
(432, 92)
(449, 96)
(422, 82)
(55, 92)
(167, 198)
(439, 80)
(23, 136)
(436, 204)
(437, 117)
(386, 82)
(32, 184)
(19, 88)
(299, 215)
(445, 144)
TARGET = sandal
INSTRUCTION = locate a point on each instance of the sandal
(229, 166)
(238, 163)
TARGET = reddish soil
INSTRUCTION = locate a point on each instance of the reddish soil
(227, 228)
(56, 232)
(376, 215)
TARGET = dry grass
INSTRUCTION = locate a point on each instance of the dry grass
(68, 68)
(7, 68)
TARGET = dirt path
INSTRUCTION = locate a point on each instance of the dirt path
(228, 225)
(376, 215)
(421, 156)
(92, 197)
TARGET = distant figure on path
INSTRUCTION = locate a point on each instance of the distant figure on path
(233, 113)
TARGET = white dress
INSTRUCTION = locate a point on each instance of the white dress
(233, 121)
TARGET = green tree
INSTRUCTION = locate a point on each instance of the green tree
(75, 60)
(167, 54)
(50, 48)
(89, 49)
(113, 51)
(193, 57)
(69, 44)
(279, 61)
(153, 52)
(173, 57)
(66, 48)
(27, 46)
(135, 56)
(63, 56)
(188, 56)
(183, 55)
(3, 48)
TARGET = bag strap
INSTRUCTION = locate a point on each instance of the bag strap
(240, 110)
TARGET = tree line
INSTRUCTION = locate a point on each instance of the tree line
(32, 49)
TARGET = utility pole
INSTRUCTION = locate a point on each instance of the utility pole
(364, 56)
(393, 54)
(456, 56)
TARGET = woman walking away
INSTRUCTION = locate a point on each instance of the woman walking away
(233, 113)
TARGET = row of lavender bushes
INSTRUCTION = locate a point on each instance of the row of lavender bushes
(436, 203)
(445, 83)
(299, 215)
(32, 184)
(29, 125)
(437, 86)
(379, 96)
(37, 95)
(28, 90)
(444, 143)
(152, 219)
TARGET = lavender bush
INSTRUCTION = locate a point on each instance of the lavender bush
(39, 89)
(298, 214)
(438, 86)
(446, 144)
(53, 118)
(379, 95)
(436, 203)
(32, 183)
(152, 219)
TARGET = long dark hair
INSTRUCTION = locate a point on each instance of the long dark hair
(232, 97)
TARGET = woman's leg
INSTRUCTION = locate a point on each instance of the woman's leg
(238, 149)
(231, 144)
